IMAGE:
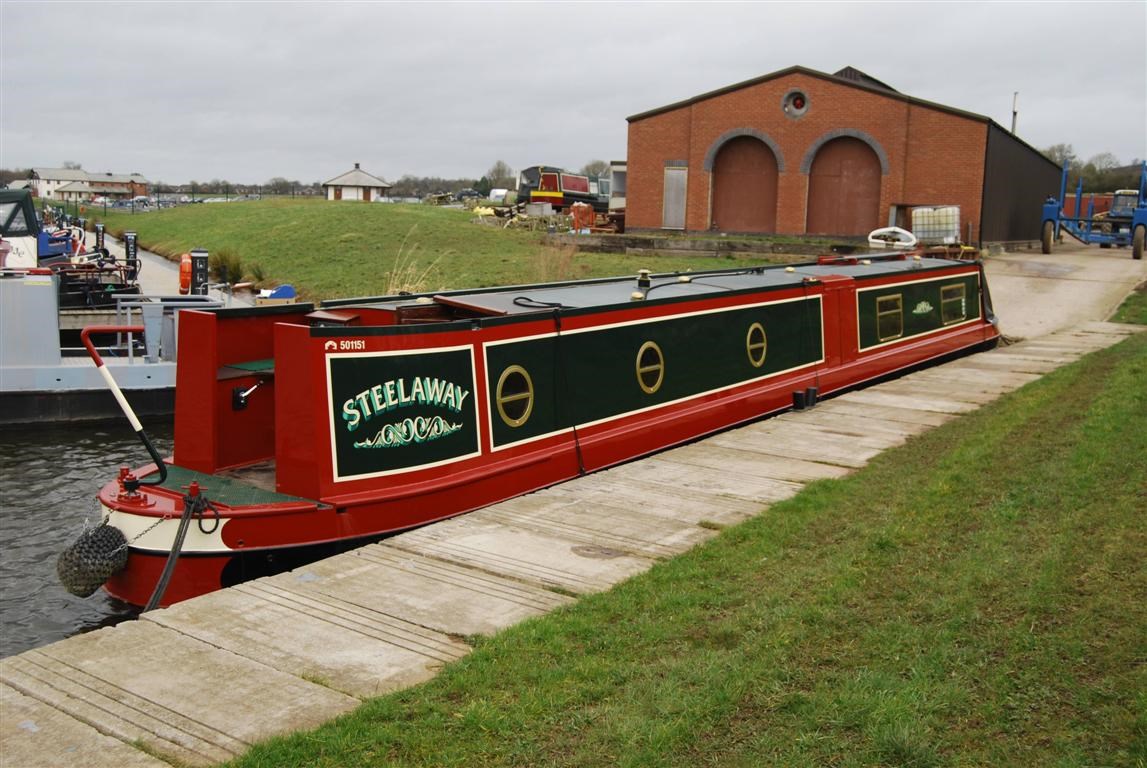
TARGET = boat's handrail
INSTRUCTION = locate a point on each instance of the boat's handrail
(157, 315)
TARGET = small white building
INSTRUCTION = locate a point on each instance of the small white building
(356, 184)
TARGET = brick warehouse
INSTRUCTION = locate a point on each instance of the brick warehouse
(804, 152)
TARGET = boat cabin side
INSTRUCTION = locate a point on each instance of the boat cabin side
(401, 393)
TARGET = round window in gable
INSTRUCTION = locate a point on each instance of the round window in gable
(795, 103)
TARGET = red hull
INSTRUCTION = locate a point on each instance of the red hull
(332, 503)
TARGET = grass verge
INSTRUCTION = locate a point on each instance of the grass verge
(975, 597)
(338, 250)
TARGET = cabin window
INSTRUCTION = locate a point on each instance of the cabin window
(756, 344)
(953, 303)
(650, 367)
(515, 396)
(889, 317)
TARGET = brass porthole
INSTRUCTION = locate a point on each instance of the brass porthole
(650, 367)
(515, 396)
(756, 344)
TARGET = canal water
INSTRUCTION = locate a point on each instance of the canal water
(49, 476)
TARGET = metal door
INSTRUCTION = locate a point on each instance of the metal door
(673, 200)
(745, 187)
(844, 189)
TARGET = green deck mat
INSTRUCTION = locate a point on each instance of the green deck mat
(225, 490)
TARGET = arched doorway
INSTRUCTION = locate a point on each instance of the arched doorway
(844, 189)
(745, 186)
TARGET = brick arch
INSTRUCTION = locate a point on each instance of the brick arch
(727, 136)
(840, 133)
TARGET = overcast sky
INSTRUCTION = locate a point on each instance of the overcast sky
(246, 91)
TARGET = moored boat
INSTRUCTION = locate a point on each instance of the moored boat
(302, 431)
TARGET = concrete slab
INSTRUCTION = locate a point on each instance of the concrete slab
(986, 378)
(717, 454)
(847, 424)
(842, 405)
(921, 401)
(550, 560)
(1015, 361)
(354, 650)
(666, 473)
(667, 501)
(967, 391)
(420, 590)
(179, 696)
(606, 525)
(805, 443)
(828, 436)
(33, 733)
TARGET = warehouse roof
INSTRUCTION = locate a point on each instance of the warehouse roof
(849, 76)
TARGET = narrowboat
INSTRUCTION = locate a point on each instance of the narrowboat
(301, 431)
(561, 189)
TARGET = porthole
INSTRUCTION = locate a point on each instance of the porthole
(650, 367)
(756, 345)
(515, 396)
(795, 103)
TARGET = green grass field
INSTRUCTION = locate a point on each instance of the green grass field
(337, 250)
(975, 597)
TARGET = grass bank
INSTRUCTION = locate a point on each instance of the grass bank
(335, 250)
(975, 597)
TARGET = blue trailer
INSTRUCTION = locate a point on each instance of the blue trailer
(1125, 224)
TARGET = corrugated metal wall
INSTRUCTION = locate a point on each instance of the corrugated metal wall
(1017, 181)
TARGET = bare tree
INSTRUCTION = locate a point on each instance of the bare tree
(72, 165)
(501, 175)
(595, 168)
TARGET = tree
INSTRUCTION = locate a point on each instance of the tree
(72, 165)
(500, 175)
(279, 186)
(595, 168)
(1060, 153)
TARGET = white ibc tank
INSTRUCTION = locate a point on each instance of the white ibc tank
(937, 225)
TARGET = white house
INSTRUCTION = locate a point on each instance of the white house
(45, 181)
(356, 184)
(77, 184)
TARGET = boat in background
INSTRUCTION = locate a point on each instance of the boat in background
(303, 431)
(51, 286)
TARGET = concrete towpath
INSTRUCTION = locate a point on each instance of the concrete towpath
(159, 276)
(204, 680)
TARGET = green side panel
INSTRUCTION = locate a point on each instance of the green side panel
(590, 376)
(921, 307)
(392, 412)
(225, 490)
